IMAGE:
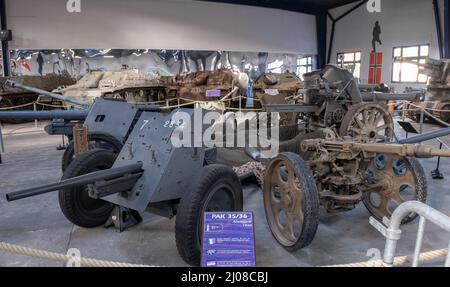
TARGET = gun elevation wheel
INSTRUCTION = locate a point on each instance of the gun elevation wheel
(96, 140)
(75, 203)
(216, 188)
(368, 123)
(291, 201)
(391, 181)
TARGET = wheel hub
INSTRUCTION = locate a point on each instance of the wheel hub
(367, 123)
(384, 191)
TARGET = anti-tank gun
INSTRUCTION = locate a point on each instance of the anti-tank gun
(338, 173)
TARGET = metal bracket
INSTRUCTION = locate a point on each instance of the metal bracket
(124, 183)
(123, 218)
(384, 230)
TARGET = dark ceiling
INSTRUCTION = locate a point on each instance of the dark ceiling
(305, 6)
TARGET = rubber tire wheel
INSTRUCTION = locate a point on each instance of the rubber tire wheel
(68, 155)
(189, 214)
(73, 201)
(421, 191)
(311, 202)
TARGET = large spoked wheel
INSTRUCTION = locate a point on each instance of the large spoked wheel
(291, 201)
(369, 122)
(393, 180)
(216, 188)
(96, 140)
(75, 203)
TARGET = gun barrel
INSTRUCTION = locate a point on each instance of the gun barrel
(375, 96)
(46, 93)
(81, 180)
(419, 151)
(44, 115)
(427, 136)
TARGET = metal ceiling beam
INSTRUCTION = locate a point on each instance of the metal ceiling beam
(437, 18)
(447, 29)
(321, 31)
(282, 5)
(333, 25)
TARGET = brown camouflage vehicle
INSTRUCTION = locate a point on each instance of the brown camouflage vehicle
(275, 88)
(218, 89)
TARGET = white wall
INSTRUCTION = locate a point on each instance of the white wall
(159, 24)
(403, 23)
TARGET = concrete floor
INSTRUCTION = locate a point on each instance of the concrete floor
(32, 159)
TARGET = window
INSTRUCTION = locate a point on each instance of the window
(304, 65)
(276, 66)
(350, 61)
(403, 70)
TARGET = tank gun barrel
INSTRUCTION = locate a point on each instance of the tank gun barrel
(15, 84)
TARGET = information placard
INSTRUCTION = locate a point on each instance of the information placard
(228, 239)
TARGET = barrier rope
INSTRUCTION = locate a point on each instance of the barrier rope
(398, 261)
(48, 105)
(88, 262)
(30, 104)
(15, 107)
(425, 108)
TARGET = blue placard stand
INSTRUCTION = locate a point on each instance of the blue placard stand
(228, 239)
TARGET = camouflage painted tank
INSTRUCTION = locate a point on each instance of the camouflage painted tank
(273, 88)
(126, 83)
(214, 89)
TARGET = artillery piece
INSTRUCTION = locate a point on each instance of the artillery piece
(331, 97)
(149, 174)
(338, 173)
(341, 155)
(438, 88)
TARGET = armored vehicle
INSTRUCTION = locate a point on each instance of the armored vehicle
(126, 83)
(220, 89)
(438, 89)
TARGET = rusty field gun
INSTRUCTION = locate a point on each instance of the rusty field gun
(323, 168)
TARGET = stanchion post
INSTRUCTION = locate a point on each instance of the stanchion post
(437, 174)
(421, 120)
(2, 146)
(403, 111)
(35, 109)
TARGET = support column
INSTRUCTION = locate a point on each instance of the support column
(447, 29)
(321, 32)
